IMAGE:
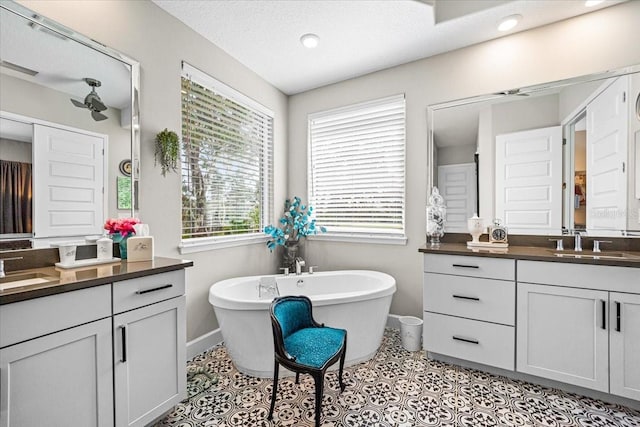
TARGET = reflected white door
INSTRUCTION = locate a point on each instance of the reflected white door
(68, 195)
(607, 119)
(457, 185)
(529, 180)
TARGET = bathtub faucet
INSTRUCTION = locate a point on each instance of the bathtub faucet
(299, 264)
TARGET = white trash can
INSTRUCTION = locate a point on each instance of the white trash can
(411, 333)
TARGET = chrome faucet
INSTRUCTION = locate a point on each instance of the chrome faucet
(299, 265)
(578, 242)
(2, 260)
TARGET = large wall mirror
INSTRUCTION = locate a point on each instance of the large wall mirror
(69, 131)
(546, 159)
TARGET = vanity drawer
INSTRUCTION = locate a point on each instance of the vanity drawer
(479, 342)
(471, 297)
(25, 320)
(460, 265)
(134, 293)
(586, 276)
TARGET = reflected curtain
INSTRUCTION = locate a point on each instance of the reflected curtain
(15, 197)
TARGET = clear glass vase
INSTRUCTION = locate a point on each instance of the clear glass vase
(436, 216)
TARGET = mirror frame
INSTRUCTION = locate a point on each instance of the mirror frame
(72, 34)
(508, 93)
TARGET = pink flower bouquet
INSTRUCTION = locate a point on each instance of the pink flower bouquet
(123, 226)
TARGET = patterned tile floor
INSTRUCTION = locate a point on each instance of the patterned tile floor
(395, 388)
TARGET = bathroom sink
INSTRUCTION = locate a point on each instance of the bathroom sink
(24, 279)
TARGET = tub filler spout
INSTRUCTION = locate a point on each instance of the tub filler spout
(299, 264)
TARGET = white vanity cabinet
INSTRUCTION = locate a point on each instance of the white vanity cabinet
(568, 328)
(561, 335)
(104, 356)
(150, 347)
(624, 341)
(52, 372)
(469, 308)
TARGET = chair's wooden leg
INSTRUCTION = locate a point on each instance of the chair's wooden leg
(319, 380)
(275, 389)
(342, 357)
(297, 377)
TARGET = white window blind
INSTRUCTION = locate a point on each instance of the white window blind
(357, 167)
(227, 157)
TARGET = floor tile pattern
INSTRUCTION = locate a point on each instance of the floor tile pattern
(396, 388)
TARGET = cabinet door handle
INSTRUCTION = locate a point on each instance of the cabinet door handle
(467, 298)
(465, 340)
(604, 313)
(465, 266)
(618, 321)
(159, 288)
(123, 330)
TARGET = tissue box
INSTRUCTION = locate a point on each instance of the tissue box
(139, 248)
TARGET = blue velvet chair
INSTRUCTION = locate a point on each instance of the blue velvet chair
(304, 346)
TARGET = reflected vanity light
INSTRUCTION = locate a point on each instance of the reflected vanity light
(591, 3)
(509, 22)
(310, 40)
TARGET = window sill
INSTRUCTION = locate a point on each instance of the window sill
(381, 239)
(212, 243)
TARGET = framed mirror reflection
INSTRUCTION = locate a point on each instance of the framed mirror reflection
(546, 159)
(68, 118)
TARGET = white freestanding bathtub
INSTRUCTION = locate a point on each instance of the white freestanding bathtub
(355, 300)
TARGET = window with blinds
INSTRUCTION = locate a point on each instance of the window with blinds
(227, 152)
(356, 168)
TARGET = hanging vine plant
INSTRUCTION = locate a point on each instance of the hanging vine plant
(167, 151)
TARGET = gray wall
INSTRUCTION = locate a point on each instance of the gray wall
(456, 154)
(15, 151)
(159, 42)
(523, 59)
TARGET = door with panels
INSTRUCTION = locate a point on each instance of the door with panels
(457, 184)
(529, 180)
(68, 190)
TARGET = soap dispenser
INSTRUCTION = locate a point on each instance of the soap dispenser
(104, 247)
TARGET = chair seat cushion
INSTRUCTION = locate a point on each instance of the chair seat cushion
(314, 346)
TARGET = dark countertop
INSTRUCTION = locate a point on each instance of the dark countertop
(66, 280)
(536, 253)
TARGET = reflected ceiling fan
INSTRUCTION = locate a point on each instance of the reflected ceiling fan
(92, 101)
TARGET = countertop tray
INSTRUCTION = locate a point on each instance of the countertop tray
(87, 262)
(487, 245)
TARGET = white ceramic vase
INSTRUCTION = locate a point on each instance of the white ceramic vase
(475, 225)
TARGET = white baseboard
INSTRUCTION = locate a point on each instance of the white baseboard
(203, 343)
(213, 338)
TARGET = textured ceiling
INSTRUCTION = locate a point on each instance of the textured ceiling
(356, 37)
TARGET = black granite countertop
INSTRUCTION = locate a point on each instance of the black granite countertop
(536, 253)
(65, 280)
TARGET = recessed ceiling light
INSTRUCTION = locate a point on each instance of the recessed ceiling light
(310, 40)
(509, 22)
(591, 3)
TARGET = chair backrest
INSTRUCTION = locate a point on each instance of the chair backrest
(290, 314)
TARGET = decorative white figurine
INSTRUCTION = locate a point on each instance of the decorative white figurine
(475, 225)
